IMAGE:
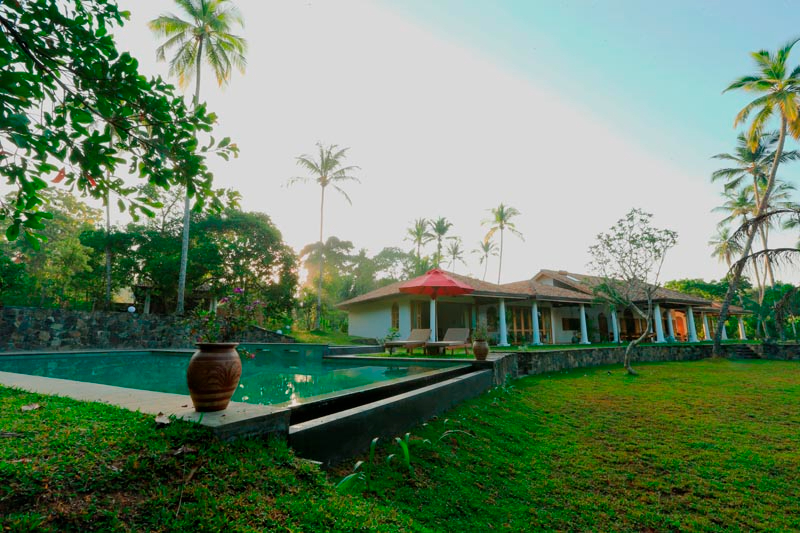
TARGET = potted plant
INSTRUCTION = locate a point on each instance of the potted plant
(215, 368)
(480, 345)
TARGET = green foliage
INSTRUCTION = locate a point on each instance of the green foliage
(62, 73)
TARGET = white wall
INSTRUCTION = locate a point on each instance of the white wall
(373, 319)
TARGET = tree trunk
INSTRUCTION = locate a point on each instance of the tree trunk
(317, 323)
(179, 308)
(485, 266)
(737, 271)
(500, 265)
(108, 231)
(626, 361)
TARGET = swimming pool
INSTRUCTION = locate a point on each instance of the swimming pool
(284, 375)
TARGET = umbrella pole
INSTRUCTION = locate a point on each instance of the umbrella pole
(433, 319)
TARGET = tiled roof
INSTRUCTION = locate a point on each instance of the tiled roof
(548, 293)
(586, 284)
(579, 291)
(482, 288)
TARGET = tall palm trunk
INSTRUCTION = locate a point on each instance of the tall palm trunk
(187, 206)
(500, 265)
(737, 271)
(485, 266)
(321, 262)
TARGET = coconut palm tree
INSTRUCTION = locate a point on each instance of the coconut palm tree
(501, 221)
(439, 228)
(486, 248)
(204, 36)
(777, 87)
(455, 253)
(724, 247)
(326, 170)
(753, 165)
(419, 235)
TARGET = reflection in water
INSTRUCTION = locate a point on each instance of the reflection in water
(270, 378)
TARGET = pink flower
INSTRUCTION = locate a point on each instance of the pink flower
(238, 290)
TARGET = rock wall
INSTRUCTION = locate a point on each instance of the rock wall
(35, 329)
(539, 362)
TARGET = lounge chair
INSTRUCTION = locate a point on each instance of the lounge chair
(416, 339)
(453, 339)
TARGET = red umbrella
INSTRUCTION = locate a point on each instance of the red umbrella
(435, 283)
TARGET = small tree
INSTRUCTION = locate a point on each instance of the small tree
(628, 258)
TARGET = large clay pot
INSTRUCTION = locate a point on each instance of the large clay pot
(480, 349)
(213, 375)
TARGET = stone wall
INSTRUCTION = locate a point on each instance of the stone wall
(35, 329)
(518, 364)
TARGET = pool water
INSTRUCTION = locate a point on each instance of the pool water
(271, 377)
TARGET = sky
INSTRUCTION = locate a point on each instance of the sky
(573, 112)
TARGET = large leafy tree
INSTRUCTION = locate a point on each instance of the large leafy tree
(61, 73)
(205, 37)
(60, 269)
(501, 221)
(777, 88)
(326, 170)
(628, 258)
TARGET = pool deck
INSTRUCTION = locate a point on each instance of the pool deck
(238, 420)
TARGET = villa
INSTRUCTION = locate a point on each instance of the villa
(553, 307)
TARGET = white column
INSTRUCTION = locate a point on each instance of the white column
(724, 331)
(690, 324)
(659, 324)
(433, 320)
(706, 330)
(584, 333)
(147, 302)
(670, 327)
(535, 323)
(614, 324)
(503, 341)
(742, 334)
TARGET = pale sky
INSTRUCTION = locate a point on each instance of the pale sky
(449, 113)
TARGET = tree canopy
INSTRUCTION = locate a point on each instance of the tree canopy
(66, 87)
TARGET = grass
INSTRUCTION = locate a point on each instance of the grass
(324, 337)
(696, 446)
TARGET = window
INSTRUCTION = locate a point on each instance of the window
(570, 324)
(395, 316)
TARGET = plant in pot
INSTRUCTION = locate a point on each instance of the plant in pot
(480, 344)
(215, 368)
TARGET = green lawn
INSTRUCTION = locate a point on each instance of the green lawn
(696, 446)
(323, 337)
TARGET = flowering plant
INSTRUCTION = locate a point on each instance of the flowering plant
(228, 322)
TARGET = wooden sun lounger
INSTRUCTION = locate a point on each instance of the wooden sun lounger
(416, 339)
(453, 339)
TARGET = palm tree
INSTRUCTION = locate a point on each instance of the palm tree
(455, 252)
(439, 228)
(778, 89)
(419, 235)
(486, 248)
(724, 247)
(326, 170)
(501, 221)
(753, 164)
(206, 34)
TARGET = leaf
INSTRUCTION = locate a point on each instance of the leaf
(10, 434)
(60, 176)
(162, 420)
(30, 407)
(12, 232)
